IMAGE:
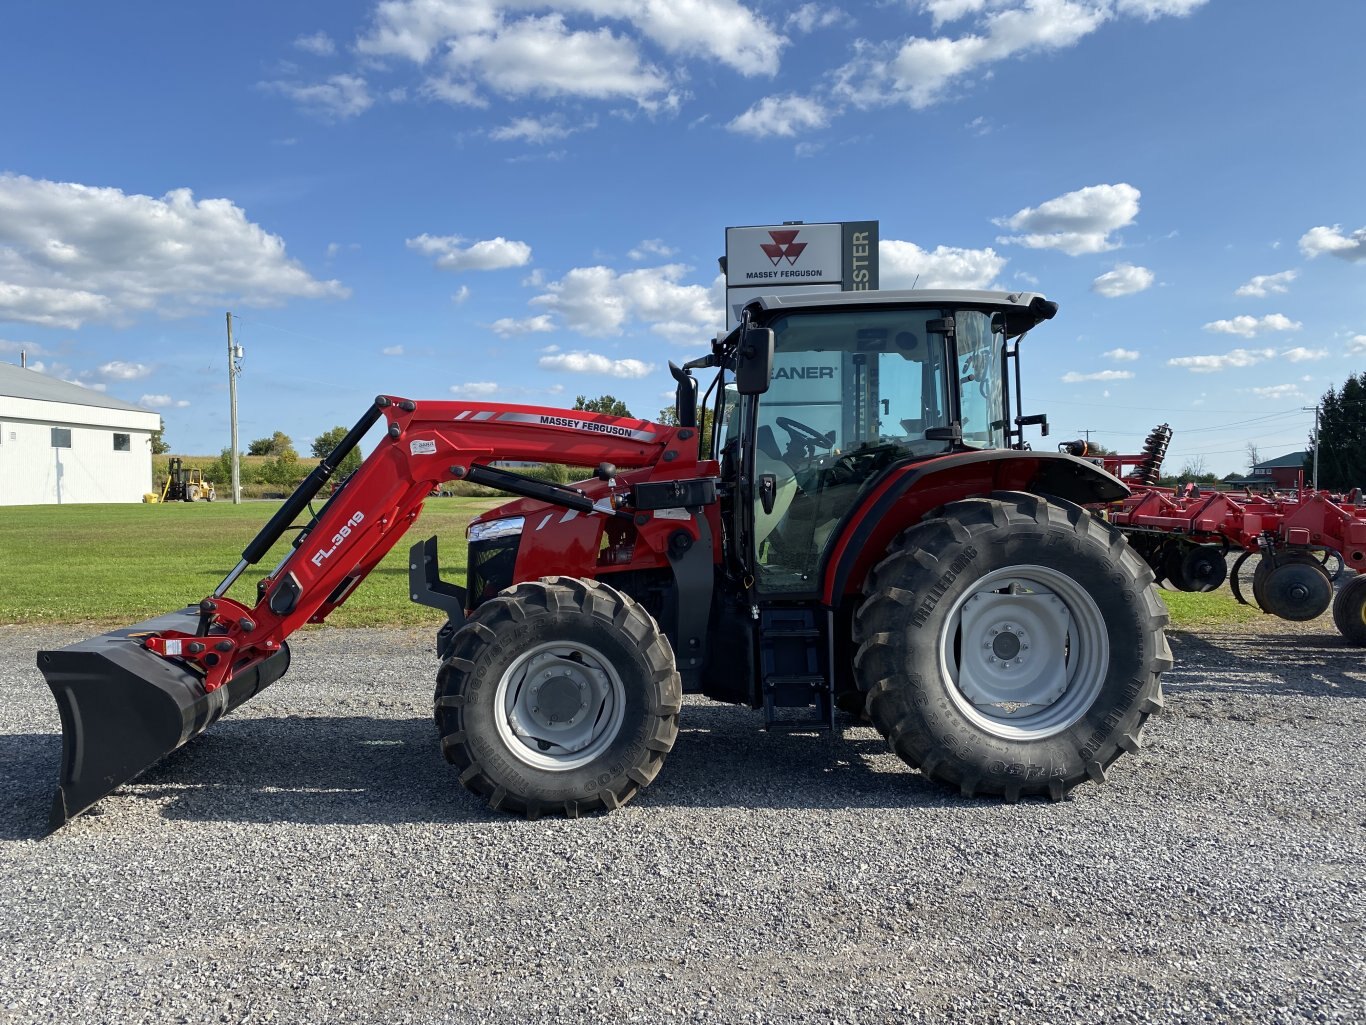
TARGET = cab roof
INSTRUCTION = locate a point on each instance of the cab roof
(1023, 310)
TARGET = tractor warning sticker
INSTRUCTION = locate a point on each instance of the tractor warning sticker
(422, 447)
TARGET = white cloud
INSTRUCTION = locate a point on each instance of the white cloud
(780, 115)
(52, 307)
(1262, 285)
(1320, 240)
(1247, 326)
(475, 389)
(921, 71)
(337, 98)
(1357, 343)
(906, 265)
(951, 10)
(1236, 358)
(461, 294)
(28, 348)
(1072, 377)
(1121, 355)
(1277, 392)
(491, 254)
(121, 371)
(597, 301)
(1153, 9)
(415, 29)
(1125, 279)
(506, 327)
(539, 56)
(592, 363)
(537, 131)
(1300, 354)
(723, 30)
(162, 402)
(810, 17)
(392, 350)
(447, 90)
(319, 44)
(651, 247)
(1075, 223)
(73, 253)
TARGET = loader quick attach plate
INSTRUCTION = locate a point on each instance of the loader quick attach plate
(124, 708)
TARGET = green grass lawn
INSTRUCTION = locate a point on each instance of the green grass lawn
(119, 564)
(1215, 608)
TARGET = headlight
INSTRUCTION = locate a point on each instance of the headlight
(490, 529)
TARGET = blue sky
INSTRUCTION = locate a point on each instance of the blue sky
(524, 201)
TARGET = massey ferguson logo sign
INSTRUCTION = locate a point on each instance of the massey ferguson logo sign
(776, 259)
(783, 247)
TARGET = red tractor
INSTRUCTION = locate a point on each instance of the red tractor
(865, 529)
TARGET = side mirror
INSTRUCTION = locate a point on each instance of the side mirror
(685, 396)
(754, 361)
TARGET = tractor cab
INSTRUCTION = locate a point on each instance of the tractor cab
(859, 385)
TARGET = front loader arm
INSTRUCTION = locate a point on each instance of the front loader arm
(424, 445)
(129, 697)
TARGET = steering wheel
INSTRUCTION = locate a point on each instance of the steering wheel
(804, 437)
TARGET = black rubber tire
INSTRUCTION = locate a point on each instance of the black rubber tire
(909, 599)
(1174, 568)
(550, 610)
(1349, 611)
(1266, 565)
(1204, 567)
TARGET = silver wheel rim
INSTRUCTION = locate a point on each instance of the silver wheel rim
(1026, 652)
(559, 706)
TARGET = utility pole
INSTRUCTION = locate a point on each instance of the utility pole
(234, 368)
(1316, 443)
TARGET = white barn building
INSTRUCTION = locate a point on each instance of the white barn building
(62, 444)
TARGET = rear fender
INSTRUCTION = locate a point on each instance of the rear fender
(908, 495)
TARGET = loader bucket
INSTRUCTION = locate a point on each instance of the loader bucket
(124, 708)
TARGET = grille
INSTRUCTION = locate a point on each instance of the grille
(491, 565)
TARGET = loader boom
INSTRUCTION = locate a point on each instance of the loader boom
(165, 681)
(425, 445)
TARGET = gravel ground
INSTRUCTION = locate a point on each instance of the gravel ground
(313, 859)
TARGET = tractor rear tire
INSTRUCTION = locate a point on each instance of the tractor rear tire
(559, 696)
(1349, 611)
(1011, 646)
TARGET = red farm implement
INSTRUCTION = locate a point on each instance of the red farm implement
(1302, 538)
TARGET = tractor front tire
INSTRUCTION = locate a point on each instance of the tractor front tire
(559, 696)
(1011, 646)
